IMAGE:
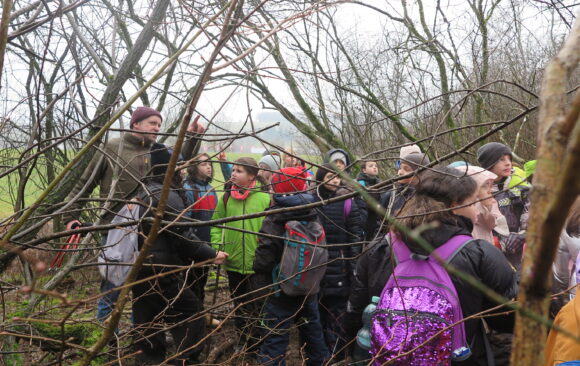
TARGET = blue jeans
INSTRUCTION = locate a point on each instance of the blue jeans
(278, 317)
(106, 304)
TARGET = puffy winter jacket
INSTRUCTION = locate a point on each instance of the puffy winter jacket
(204, 199)
(479, 259)
(269, 251)
(369, 217)
(177, 245)
(240, 245)
(340, 230)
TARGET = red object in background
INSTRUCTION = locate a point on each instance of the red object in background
(72, 243)
(496, 242)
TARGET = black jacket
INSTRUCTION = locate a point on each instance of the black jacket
(176, 245)
(269, 251)
(479, 259)
(343, 232)
(369, 217)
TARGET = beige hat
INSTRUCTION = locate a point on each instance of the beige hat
(408, 150)
(478, 174)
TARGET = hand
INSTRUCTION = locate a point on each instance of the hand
(196, 127)
(220, 258)
(222, 156)
(486, 220)
(73, 224)
(514, 243)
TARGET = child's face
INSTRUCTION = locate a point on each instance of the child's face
(340, 164)
(503, 168)
(405, 169)
(332, 181)
(468, 211)
(265, 172)
(241, 177)
(204, 168)
(371, 168)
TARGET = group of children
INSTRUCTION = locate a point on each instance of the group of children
(475, 202)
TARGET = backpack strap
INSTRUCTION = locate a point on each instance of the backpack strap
(347, 208)
(401, 252)
(450, 248)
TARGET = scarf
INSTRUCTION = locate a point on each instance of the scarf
(242, 193)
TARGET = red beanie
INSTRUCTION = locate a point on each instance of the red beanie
(143, 112)
(289, 180)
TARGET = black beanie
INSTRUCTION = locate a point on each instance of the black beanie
(322, 171)
(489, 154)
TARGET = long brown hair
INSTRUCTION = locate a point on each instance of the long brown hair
(436, 191)
(573, 223)
(193, 170)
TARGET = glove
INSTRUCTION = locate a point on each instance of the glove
(514, 243)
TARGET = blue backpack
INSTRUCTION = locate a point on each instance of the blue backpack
(419, 311)
(304, 259)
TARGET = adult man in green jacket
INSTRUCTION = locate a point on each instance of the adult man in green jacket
(117, 168)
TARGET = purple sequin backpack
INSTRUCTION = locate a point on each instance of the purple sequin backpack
(417, 308)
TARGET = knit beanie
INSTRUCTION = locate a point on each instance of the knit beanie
(322, 171)
(338, 154)
(479, 175)
(415, 160)
(273, 162)
(143, 112)
(489, 154)
(408, 150)
(289, 180)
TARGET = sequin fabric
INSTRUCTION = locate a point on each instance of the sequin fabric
(406, 317)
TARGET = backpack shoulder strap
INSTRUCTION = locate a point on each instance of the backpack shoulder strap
(449, 249)
(400, 250)
(347, 208)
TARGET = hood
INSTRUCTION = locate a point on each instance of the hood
(334, 154)
(367, 178)
(282, 201)
(458, 225)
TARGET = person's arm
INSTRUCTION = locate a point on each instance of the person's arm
(216, 232)
(225, 166)
(497, 274)
(89, 180)
(192, 142)
(269, 251)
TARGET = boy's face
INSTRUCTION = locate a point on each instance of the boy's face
(405, 169)
(371, 168)
(503, 167)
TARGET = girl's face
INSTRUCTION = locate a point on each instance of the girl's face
(204, 168)
(241, 177)
(503, 168)
(468, 211)
(332, 181)
(404, 170)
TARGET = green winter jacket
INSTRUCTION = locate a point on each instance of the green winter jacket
(241, 246)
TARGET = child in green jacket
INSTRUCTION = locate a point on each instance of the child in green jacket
(244, 196)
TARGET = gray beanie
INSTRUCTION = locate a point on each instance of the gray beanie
(273, 162)
(415, 160)
(489, 154)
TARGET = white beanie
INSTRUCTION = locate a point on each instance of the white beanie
(408, 150)
(273, 162)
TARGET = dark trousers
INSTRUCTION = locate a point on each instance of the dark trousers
(160, 304)
(332, 313)
(247, 315)
(278, 318)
